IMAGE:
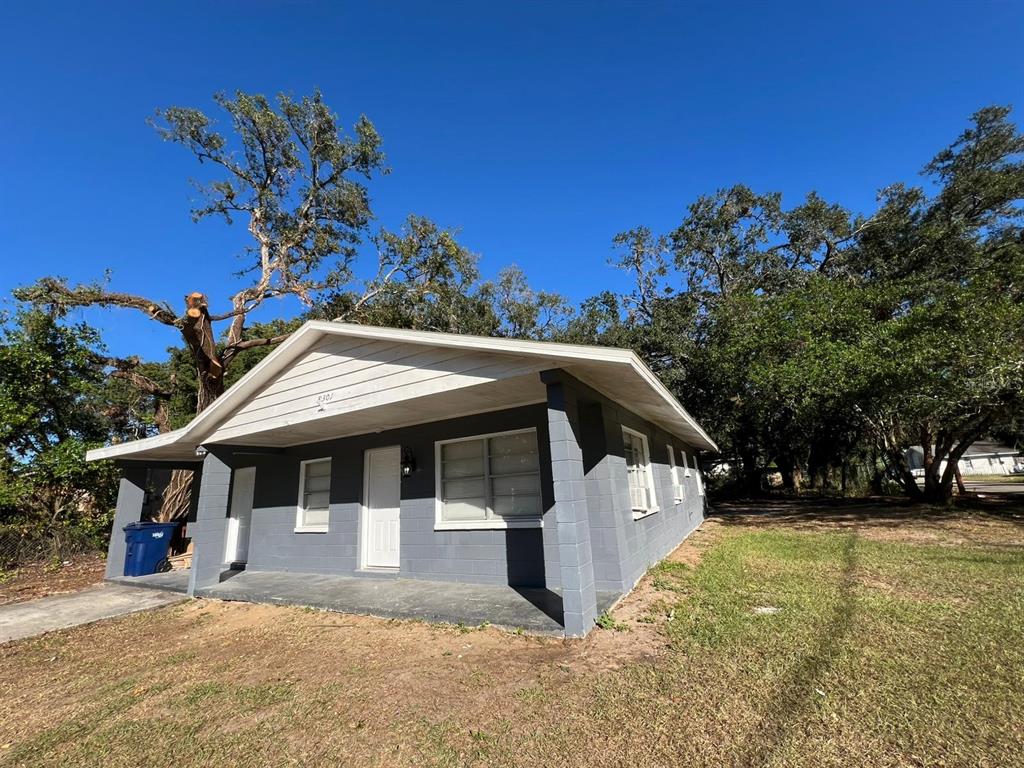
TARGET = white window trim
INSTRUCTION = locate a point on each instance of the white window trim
(686, 464)
(677, 485)
(299, 508)
(639, 512)
(502, 524)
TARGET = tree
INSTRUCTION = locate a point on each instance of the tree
(805, 336)
(53, 407)
(515, 310)
(299, 184)
(711, 323)
(297, 181)
(951, 268)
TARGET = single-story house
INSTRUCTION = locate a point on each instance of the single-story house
(357, 451)
(983, 457)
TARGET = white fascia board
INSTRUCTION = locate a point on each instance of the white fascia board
(546, 349)
(655, 383)
(135, 446)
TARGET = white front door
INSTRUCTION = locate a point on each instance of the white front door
(242, 490)
(382, 494)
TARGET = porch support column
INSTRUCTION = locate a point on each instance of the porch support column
(209, 531)
(131, 494)
(575, 557)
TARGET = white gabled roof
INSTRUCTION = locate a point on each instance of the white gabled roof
(617, 373)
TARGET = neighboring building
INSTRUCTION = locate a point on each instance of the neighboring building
(355, 450)
(982, 458)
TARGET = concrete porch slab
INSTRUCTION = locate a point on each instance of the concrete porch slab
(530, 609)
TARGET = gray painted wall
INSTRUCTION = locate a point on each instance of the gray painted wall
(521, 557)
(622, 548)
(625, 548)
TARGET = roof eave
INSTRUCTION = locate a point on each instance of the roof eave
(204, 424)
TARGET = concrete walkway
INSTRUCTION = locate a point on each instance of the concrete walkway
(103, 601)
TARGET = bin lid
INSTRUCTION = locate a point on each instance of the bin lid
(136, 526)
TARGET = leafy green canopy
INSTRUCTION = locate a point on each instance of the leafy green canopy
(54, 404)
(810, 336)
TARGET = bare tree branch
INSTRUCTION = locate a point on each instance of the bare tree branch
(54, 291)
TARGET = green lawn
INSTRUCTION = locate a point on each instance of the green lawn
(994, 478)
(865, 644)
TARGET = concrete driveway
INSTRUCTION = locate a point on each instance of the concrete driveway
(103, 601)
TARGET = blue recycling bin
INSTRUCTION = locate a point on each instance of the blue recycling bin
(147, 546)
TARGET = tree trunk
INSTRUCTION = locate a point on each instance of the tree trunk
(938, 493)
(960, 487)
(792, 475)
(942, 492)
(177, 496)
(198, 335)
(898, 463)
(199, 338)
(877, 474)
(938, 487)
(750, 478)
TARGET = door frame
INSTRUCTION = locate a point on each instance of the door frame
(364, 509)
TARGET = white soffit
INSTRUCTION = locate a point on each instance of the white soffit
(471, 361)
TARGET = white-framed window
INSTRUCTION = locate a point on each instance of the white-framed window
(488, 481)
(314, 496)
(686, 464)
(677, 483)
(638, 472)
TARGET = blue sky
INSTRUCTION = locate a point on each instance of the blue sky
(539, 129)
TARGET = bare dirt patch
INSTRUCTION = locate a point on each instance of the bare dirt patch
(642, 614)
(28, 582)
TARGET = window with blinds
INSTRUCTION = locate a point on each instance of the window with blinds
(314, 495)
(495, 478)
(677, 483)
(638, 471)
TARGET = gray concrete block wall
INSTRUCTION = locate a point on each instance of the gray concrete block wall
(606, 525)
(575, 553)
(131, 494)
(525, 557)
(624, 548)
(649, 539)
(209, 531)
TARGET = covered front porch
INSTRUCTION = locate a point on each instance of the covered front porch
(536, 577)
(530, 609)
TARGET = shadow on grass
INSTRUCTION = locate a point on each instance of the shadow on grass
(796, 694)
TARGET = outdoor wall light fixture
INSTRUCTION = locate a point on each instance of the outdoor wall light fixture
(200, 451)
(408, 462)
